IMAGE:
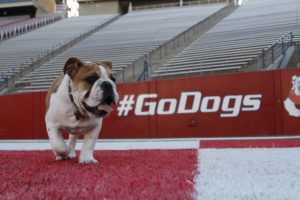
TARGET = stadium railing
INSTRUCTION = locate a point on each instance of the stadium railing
(268, 56)
(145, 72)
(184, 37)
(297, 44)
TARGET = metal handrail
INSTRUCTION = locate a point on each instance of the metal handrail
(185, 36)
(144, 75)
(279, 48)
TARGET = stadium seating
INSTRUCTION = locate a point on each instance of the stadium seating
(20, 52)
(16, 26)
(127, 39)
(236, 41)
(11, 20)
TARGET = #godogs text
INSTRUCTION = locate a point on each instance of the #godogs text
(189, 102)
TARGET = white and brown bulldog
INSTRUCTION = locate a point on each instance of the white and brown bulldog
(77, 102)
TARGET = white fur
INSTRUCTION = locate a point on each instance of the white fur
(60, 116)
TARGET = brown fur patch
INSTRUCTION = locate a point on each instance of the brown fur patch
(84, 72)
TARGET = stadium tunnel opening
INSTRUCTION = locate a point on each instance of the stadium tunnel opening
(15, 11)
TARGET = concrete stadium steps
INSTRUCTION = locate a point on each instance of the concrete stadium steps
(237, 40)
(128, 39)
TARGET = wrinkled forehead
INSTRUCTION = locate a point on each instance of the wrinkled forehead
(87, 70)
(90, 69)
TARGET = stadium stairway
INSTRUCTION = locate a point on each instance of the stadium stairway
(168, 51)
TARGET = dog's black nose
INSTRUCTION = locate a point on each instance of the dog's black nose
(106, 86)
(108, 94)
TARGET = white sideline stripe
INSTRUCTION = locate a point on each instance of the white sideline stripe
(128, 144)
(28, 145)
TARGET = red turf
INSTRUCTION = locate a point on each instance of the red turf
(134, 174)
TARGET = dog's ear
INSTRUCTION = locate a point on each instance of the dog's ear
(72, 66)
(105, 63)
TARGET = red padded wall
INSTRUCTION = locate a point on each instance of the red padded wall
(22, 115)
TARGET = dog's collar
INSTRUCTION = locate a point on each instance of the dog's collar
(77, 113)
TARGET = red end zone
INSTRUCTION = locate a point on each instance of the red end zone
(132, 174)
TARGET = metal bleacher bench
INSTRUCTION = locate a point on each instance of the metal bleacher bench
(198, 71)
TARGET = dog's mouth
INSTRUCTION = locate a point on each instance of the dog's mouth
(102, 110)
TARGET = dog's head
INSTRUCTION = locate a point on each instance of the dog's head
(93, 86)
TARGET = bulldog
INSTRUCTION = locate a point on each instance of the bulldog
(76, 103)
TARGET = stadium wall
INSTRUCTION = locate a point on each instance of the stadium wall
(45, 6)
(98, 7)
(239, 104)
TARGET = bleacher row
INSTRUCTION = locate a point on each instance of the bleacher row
(231, 45)
(12, 20)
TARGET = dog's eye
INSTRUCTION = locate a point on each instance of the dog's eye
(112, 78)
(91, 79)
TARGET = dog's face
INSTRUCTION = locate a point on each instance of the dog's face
(296, 85)
(92, 86)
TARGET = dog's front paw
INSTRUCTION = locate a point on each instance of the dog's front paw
(86, 160)
(62, 158)
(71, 155)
